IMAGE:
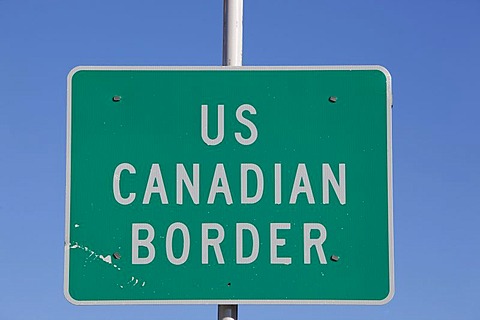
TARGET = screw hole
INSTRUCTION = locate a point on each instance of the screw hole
(332, 99)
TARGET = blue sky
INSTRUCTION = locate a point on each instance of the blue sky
(431, 48)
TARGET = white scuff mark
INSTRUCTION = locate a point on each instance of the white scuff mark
(134, 281)
(106, 259)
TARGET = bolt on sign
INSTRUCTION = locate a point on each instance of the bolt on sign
(229, 185)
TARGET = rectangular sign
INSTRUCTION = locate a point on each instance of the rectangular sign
(229, 185)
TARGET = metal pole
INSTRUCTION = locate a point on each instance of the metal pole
(232, 32)
(232, 56)
(228, 312)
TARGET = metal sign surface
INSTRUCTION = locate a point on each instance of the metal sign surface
(229, 185)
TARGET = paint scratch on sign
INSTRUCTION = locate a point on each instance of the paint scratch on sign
(92, 255)
(106, 259)
(134, 282)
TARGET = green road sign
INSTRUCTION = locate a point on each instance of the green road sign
(229, 185)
